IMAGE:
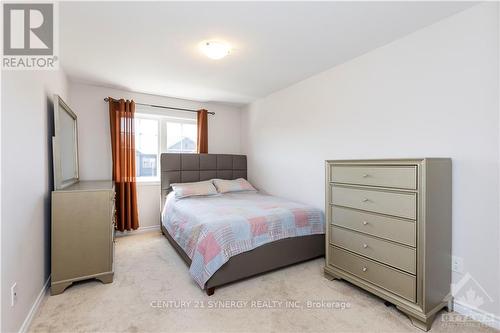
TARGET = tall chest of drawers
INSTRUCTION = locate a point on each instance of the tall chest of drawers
(389, 231)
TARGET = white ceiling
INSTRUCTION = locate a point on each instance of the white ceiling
(152, 47)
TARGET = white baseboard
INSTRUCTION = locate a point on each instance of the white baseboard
(476, 314)
(36, 306)
(138, 231)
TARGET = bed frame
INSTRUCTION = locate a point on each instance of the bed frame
(185, 168)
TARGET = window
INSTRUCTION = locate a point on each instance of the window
(156, 134)
(146, 147)
(181, 137)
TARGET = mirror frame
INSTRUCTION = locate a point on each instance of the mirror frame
(59, 183)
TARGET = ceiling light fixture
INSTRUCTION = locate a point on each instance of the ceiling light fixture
(215, 49)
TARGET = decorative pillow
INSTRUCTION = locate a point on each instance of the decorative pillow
(184, 190)
(237, 185)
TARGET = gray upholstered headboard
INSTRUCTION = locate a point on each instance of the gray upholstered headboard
(185, 168)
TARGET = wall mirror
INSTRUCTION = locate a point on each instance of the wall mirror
(64, 145)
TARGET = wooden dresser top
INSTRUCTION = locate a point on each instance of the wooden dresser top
(89, 185)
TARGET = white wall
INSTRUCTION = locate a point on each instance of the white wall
(94, 138)
(432, 93)
(26, 134)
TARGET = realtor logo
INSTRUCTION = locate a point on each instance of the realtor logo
(29, 36)
(468, 292)
(28, 29)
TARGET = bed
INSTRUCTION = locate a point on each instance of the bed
(188, 224)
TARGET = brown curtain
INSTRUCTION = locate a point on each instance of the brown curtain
(121, 118)
(202, 131)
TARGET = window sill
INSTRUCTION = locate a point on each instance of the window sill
(155, 182)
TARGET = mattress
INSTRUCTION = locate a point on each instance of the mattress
(213, 229)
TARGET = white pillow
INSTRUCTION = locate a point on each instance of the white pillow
(237, 185)
(184, 190)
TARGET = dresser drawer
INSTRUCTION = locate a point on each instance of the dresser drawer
(404, 177)
(397, 230)
(392, 254)
(393, 280)
(390, 203)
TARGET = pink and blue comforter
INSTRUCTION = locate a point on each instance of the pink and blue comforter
(213, 229)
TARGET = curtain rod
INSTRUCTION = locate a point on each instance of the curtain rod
(106, 99)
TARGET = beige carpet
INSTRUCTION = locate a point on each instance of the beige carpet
(151, 280)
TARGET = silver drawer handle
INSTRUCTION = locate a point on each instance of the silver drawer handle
(365, 246)
(365, 223)
(366, 200)
(364, 269)
(366, 175)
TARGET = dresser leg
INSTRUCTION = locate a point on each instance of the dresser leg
(330, 276)
(423, 325)
(106, 278)
(59, 287)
